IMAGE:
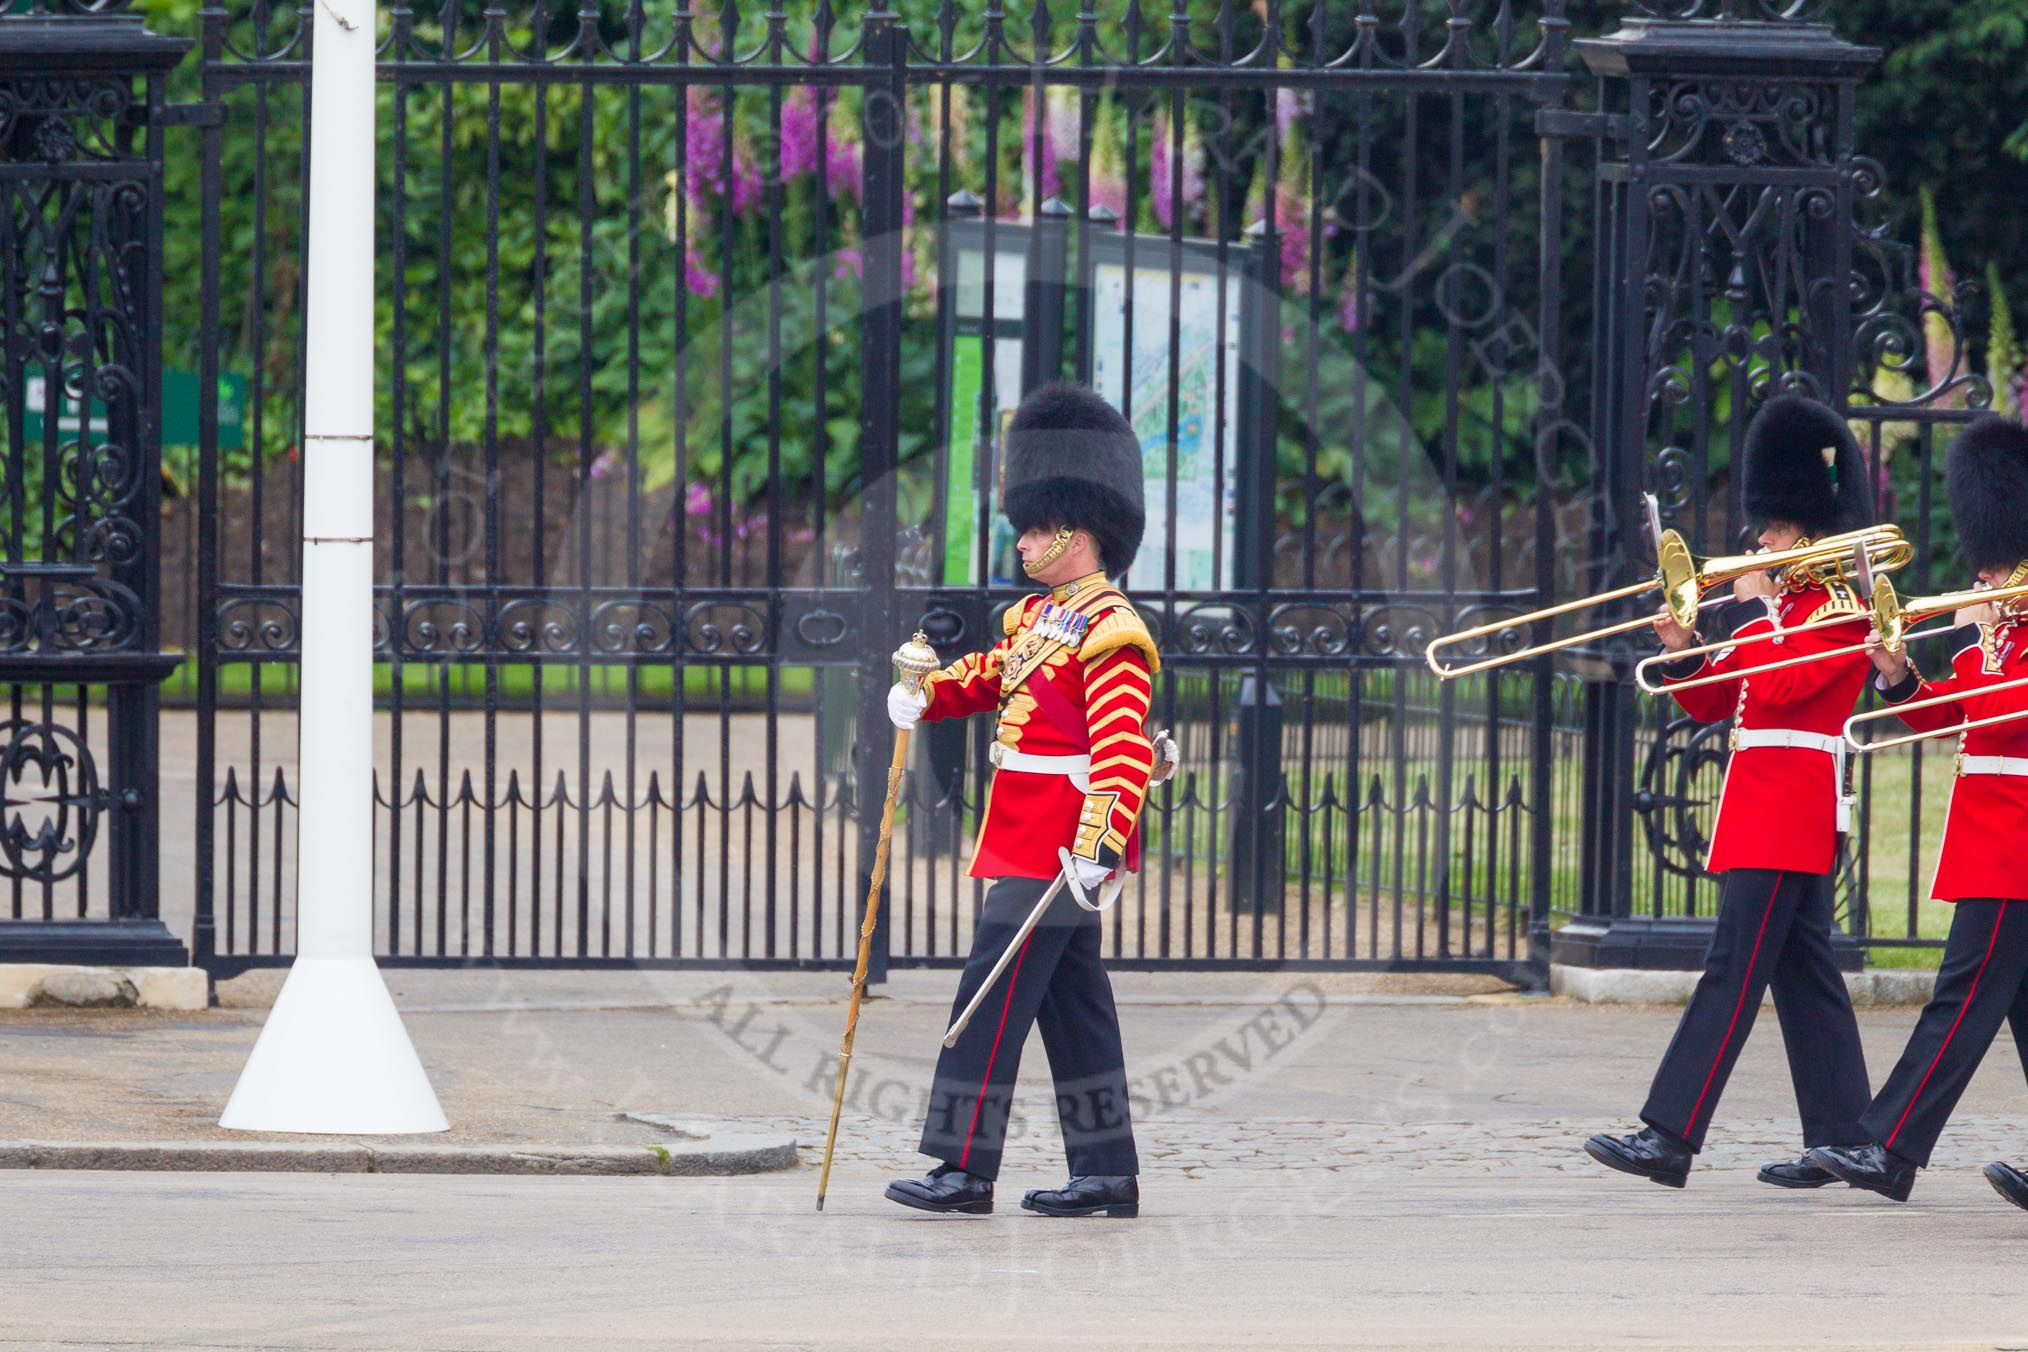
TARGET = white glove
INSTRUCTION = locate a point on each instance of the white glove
(1088, 874)
(905, 706)
(1168, 756)
(1085, 876)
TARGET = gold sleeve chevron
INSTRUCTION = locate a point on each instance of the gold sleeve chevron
(1118, 691)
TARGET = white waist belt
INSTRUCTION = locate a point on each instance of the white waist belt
(1834, 747)
(1007, 758)
(1744, 738)
(1992, 765)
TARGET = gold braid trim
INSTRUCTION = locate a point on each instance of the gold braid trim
(1119, 628)
(1843, 600)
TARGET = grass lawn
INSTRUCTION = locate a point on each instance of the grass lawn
(1891, 839)
(466, 684)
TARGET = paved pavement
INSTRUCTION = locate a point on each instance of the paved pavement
(1247, 1071)
(1330, 1161)
(1523, 1261)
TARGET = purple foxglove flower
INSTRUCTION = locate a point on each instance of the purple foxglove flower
(747, 183)
(799, 133)
(908, 272)
(1158, 173)
(1292, 214)
(1108, 175)
(1348, 297)
(1037, 145)
(842, 169)
(1934, 276)
(1288, 107)
(1161, 173)
(698, 279)
(1062, 113)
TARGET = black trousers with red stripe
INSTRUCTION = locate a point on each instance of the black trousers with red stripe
(1774, 929)
(1983, 982)
(1058, 984)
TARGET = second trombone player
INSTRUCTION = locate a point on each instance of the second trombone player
(1983, 980)
(1775, 841)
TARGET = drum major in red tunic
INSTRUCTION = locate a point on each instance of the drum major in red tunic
(1073, 677)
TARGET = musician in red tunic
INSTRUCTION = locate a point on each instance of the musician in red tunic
(1776, 838)
(1069, 684)
(1984, 977)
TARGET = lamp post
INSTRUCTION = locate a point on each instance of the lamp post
(334, 1055)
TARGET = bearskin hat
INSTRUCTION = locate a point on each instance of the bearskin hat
(1986, 472)
(1073, 460)
(1804, 467)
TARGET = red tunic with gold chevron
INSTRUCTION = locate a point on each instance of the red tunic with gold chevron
(1988, 815)
(1073, 676)
(1779, 806)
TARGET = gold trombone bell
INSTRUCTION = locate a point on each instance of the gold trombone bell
(1891, 619)
(1681, 582)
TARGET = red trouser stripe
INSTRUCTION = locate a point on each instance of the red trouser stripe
(1745, 984)
(1934, 1061)
(987, 1081)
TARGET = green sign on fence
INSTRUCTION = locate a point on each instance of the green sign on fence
(179, 409)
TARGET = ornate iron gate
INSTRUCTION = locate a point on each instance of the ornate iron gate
(699, 330)
(82, 113)
(678, 379)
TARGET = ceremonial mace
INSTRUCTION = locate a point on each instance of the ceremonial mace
(915, 660)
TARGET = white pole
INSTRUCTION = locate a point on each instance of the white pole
(333, 1055)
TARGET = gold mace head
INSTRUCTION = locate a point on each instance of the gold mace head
(915, 659)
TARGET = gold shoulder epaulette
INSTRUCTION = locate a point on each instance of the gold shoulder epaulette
(1841, 599)
(1119, 627)
(1011, 621)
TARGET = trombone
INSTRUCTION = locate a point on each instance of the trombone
(1935, 701)
(1682, 581)
(1891, 619)
(1981, 595)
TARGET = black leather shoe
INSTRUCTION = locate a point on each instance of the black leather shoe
(1087, 1195)
(1867, 1166)
(1797, 1173)
(2009, 1182)
(946, 1189)
(1646, 1154)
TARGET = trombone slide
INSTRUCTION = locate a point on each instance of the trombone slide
(1934, 702)
(1682, 582)
(1889, 618)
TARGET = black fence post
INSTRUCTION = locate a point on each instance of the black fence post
(1254, 790)
(1554, 415)
(1259, 360)
(1254, 850)
(204, 923)
(883, 137)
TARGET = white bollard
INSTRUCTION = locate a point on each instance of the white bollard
(334, 1055)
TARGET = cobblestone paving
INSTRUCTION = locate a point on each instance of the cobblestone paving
(1199, 1148)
